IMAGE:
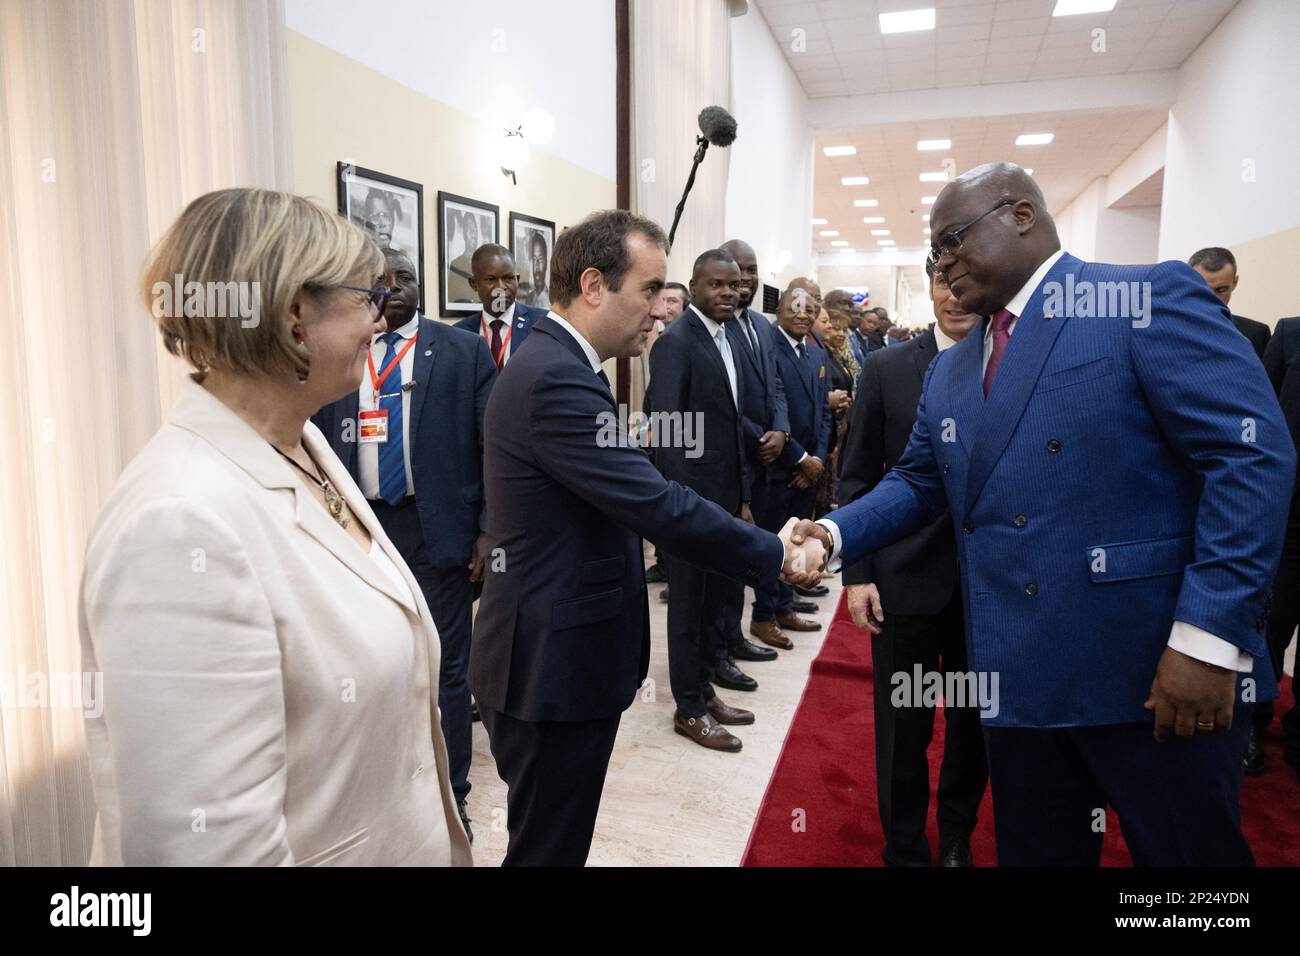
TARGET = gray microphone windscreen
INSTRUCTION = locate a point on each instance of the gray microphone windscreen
(718, 126)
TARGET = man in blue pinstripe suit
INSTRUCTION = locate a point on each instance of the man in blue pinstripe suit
(1117, 468)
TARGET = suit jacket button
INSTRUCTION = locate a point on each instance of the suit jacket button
(1020, 521)
(1031, 588)
(1053, 445)
(947, 469)
(968, 526)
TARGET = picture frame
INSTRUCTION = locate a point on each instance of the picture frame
(391, 209)
(464, 224)
(532, 242)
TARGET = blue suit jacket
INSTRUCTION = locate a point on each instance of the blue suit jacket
(563, 629)
(1122, 474)
(763, 402)
(807, 385)
(525, 317)
(453, 376)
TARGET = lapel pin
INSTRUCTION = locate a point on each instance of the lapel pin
(428, 351)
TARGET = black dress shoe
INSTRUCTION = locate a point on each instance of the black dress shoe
(727, 674)
(1254, 759)
(957, 853)
(464, 819)
(817, 590)
(656, 575)
(743, 650)
(804, 607)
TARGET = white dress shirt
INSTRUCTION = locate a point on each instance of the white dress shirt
(1183, 637)
(368, 454)
(508, 317)
(719, 336)
(941, 338)
(592, 355)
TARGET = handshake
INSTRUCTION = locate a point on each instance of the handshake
(807, 548)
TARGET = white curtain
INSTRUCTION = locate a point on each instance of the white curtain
(681, 63)
(115, 113)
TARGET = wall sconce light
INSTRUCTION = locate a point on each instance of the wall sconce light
(537, 127)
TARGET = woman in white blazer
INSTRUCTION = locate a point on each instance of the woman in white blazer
(270, 667)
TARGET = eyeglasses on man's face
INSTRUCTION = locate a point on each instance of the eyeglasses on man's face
(948, 243)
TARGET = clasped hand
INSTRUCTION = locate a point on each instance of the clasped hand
(807, 546)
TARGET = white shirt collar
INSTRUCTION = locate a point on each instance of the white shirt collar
(1021, 299)
(592, 356)
(508, 317)
(941, 338)
(407, 331)
(712, 327)
(794, 343)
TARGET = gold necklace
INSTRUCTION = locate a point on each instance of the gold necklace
(334, 503)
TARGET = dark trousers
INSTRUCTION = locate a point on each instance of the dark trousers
(450, 596)
(783, 503)
(903, 733)
(1179, 802)
(695, 604)
(1283, 617)
(733, 605)
(554, 773)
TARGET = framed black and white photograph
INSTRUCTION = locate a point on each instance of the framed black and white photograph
(463, 225)
(389, 208)
(531, 242)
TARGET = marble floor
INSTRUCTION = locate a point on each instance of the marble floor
(668, 801)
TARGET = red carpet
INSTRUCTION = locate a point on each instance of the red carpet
(827, 770)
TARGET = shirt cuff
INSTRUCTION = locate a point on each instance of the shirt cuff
(801, 458)
(837, 542)
(1204, 646)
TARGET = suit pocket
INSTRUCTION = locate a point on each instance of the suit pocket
(331, 854)
(1129, 560)
(607, 569)
(472, 493)
(582, 611)
(1075, 375)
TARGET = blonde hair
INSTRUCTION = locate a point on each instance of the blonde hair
(262, 247)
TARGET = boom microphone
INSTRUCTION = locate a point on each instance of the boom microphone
(718, 127)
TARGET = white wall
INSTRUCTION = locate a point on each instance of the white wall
(769, 181)
(1093, 231)
(1235, 104)
(492, 59)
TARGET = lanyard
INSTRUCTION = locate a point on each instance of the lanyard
(505, 342)
(376, 382)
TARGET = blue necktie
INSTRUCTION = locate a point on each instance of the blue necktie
(392, 459)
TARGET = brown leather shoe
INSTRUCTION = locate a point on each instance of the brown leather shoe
(793, 622)
(770, 634)
(706, 732)
(726, 714)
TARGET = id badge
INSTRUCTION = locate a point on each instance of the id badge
(373, 426)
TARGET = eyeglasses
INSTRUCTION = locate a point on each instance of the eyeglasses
(950, 241)
(378, 297)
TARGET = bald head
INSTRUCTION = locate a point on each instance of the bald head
(747, 261)
(806, 292)
(990, 230)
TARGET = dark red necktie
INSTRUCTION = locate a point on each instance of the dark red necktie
(1001, 322)
(496, 341)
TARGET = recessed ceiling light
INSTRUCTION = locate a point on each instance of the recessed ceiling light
(880, 232)
(840, 242)
(819, 222)
(847, 252)
(929, 144)
(866, 202)
(907, 21)
(873, 218)
(840, 150)
(1033, 139)
(1028, 171)
(884, 242)
(927, 200)
(926, 217)
(927, 230)
(829, 232)
(854, 180)
(939, 177)
(1069, 8)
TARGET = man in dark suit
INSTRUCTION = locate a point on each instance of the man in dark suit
(875, 321)
(1114, 462)
(694, 372)
(562, 638)
(1282, 363)
(765, 424)
(792, 475)
(425, 480)
(917, 580)
(1218, 266)
(505, 322)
